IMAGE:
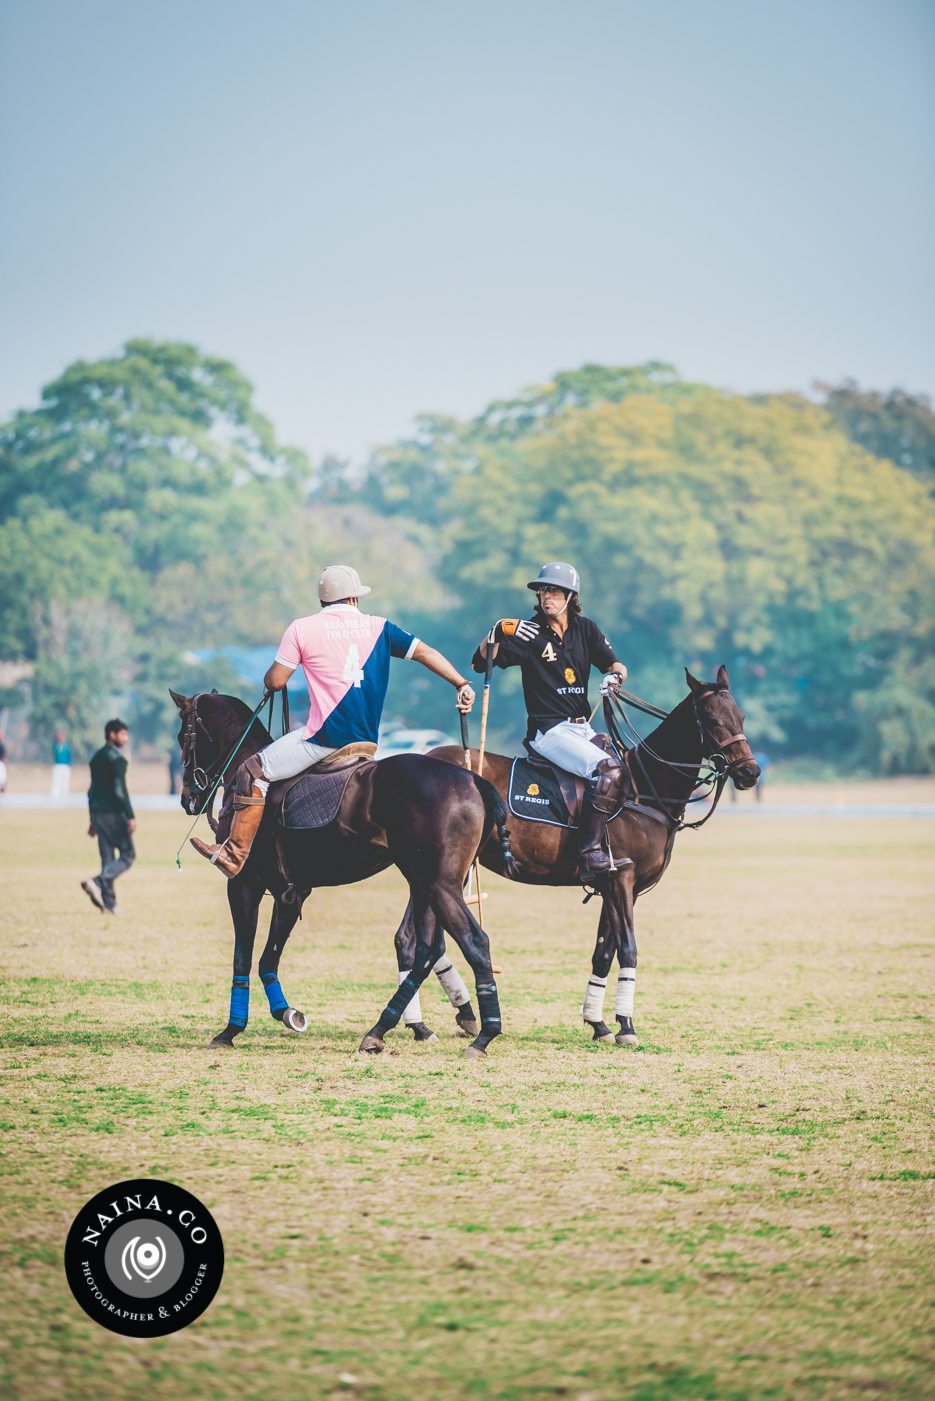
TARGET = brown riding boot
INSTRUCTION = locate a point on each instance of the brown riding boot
(230, 856)
(601, 800)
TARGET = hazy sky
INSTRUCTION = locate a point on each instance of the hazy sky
(380, 207)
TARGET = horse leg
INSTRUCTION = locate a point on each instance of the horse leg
(244, 900)
(449, 977)
(458, 995)
(406, 940)
(280, 927)
(454, 915)
(592, 1009)
(427, 951)
(626, 978)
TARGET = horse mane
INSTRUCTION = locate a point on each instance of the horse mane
(242, 712)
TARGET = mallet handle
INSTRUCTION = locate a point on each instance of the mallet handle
(485, 706)
(466, 745)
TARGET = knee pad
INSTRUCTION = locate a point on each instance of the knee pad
(604, 784)
(250, 771)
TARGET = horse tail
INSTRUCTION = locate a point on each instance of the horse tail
(497, 813)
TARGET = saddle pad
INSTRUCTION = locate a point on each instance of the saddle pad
(315, 798)
(535, 795)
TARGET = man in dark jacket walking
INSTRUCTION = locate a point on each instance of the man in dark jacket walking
(112, 819)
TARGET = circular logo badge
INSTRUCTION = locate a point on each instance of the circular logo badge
(144, 1258)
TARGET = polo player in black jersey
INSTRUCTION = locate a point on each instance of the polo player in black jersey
(556, 649)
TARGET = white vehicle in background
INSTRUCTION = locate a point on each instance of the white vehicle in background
(400, 741)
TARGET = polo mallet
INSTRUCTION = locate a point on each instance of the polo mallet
(485, 706)
(478, 897)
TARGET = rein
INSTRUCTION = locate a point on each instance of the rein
(714, 779)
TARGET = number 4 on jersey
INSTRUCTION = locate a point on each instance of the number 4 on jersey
(353, 671)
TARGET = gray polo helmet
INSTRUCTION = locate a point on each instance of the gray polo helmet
(563, 576)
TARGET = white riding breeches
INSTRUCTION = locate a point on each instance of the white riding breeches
(286, 757)
(569, 746)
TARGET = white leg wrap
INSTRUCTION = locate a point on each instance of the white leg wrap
(592, 1009)
(626, 987)
(452, 981)
(413, 1012)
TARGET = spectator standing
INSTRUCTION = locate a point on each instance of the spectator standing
(61, 766)
(2, 764)
(112, 819)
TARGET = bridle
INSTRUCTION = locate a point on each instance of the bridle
(203, 782)
(716, 754)
(199, 779)
(713, 780)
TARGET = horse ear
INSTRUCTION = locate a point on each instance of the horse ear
(695, 686)
(723, 680)
(181, 701)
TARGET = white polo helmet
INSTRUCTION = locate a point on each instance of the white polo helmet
(563, 576)
(340, 581)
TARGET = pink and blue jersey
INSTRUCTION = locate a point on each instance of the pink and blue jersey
(345, 655)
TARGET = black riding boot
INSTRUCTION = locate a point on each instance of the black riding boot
(601, 800)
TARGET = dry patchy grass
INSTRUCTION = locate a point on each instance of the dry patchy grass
(736, 1210)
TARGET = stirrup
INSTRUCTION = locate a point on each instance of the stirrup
(203, 848)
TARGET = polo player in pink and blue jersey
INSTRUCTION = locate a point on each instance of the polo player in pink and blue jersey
(345, 655)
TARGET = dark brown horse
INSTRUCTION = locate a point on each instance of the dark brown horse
(664, 769)
(409, 810)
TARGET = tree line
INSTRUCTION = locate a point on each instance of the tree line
(148, 513)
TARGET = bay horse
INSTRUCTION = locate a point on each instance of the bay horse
(407, 810)
(664, 771)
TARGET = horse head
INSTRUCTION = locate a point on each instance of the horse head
(720, 722)
(211, 726)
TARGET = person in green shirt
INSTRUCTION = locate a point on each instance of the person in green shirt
(112, 819)
(61, 766)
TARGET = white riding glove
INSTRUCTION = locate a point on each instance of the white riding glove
(522, 628)
(610, 684)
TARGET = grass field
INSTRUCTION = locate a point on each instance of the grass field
(738, 1209)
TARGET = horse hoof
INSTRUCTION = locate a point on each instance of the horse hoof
(221, 1043)
(295, 1020)
(627, 1038)
(421, 1032)
(372, 1045)
(467, 1026)
(473, 1053)
(602, 1032)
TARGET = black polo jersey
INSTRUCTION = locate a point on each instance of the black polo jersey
(555, 670)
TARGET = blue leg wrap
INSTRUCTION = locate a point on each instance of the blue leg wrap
(277, 998)
(240, 999)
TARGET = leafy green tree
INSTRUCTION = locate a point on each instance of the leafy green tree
(713, 528)
(82, 670)
(46, 557)
(131, 467)
(140, 448)
(897, 425)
